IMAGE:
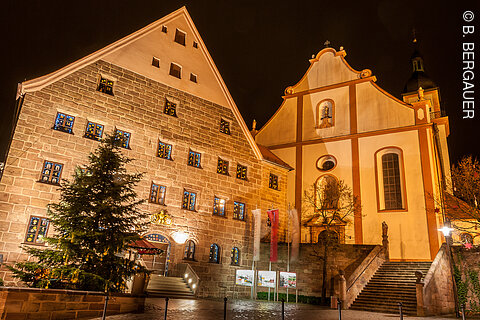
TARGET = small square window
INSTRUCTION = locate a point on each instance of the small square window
(193, 77)
(194, 159)
(224, 126)
(51, 172)
(189, 199)
(241, 172)
(175, 70)
(105, 86)
(123, 137)
(222, 166)
(64, 122)
(157, 194)
(180, 37)
(170, 108)
(37, 230)
(164, 29)
(156, 62)
(195, 44)
(238, 210)
(164, 150)
(219, 206)
(94, 131)
(273, 182)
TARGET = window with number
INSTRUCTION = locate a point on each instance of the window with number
(105, 86)
(189, 199)
(123, 137)
(214, 253)
(224, 126)
(241, 172)
(222, 166)
(235, 256)
(64, 122)
(164, 150)
(170, 108)
(194, 159)
(238, 210)
(157, 194)
(37, 230)
(51, 172)
(273, 182)
(219, 206)
(189, 253)
(94, 131)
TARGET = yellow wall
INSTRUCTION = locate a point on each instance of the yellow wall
(281, 128)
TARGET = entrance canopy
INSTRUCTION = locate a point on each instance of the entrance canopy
(144, 246)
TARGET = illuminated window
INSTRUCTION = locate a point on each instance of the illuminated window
(188, 202)
(94, 131)
(193, 77)
(390, 179)
(180, 37)
(170, 108)
(224, 126)
(219, 206)
(238, 210)
(222, 166)
(157, 194)
(189, 253)
(214, 253)
(194, 159)
(235, 256)
(164, 150)
(51, 172)
(156, 62)
(123, 138)
(37, 230)
(105, 86)
(273, 182)
(64, 122)
(241, 172)
(175, 70)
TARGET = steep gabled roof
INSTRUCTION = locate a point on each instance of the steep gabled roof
(41, 82)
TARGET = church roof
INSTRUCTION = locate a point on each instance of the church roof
(269, 156)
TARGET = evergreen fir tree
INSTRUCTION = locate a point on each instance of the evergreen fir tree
(95, 221)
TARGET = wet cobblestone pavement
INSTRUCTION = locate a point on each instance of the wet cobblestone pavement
(247, 310)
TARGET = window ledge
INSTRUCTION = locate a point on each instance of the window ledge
(219, 215)
(34, 244)
(238, 219)
(52, 184)
(392, 210)
(60, 130)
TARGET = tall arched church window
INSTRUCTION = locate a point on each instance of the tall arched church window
(390, 179)
(327, 193)
(214, 253)
(325, 114)
(189, 253)
(235, 256)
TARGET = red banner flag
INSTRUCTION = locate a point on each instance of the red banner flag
(274, 216)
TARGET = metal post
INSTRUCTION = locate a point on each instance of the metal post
(105, 307)
(225, 308)
(339, 306)
(166, 307)
(463, 311)
(283, 309)
(400, 305)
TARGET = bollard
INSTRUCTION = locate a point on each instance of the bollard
(166, 307)
(463, 311)
(400, 305)
(339, 306)
(105, 307)
(225, 308)
(283, 309)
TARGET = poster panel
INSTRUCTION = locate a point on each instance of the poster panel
(266, 279)
(244, 278)
(288, 280)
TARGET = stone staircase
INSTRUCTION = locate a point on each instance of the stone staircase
(172, 287)
(393, 282)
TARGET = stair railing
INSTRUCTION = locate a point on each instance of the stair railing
(189, 275)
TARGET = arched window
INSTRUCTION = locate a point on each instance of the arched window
(214, 253)
(325, 114)
(189, 253)
(235, 256)
(390, 179)
(326, 193)
(466, 238)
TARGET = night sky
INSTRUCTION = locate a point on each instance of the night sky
(259, 47)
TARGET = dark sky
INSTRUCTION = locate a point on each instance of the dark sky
(260, 47)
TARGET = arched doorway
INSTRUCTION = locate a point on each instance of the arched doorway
(159, 264)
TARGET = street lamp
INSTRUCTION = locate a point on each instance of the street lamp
(446, 230)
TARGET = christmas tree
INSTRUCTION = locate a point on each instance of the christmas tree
(95, 221)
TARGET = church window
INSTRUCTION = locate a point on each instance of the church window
(156, 62)
(105, 86)
(194, 159)
(189, 253)
(238, 210)
(175, 70)
(224, 126)
(180, 37)
(170, 108)
(326, 163)
(94, 131)
(219, 206)
(189, 199)
(273, 181)
(123, 137)
(241, 172)
(222, 166)
(51, 172)
(157, 194)
(214, 253)
(37, 230)
(327, 193)
(235, 256)
(390, 179)
(64, 122)
(325, 114)
(164, 150)
(193, 77)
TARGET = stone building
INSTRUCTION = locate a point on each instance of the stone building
(160, 90)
